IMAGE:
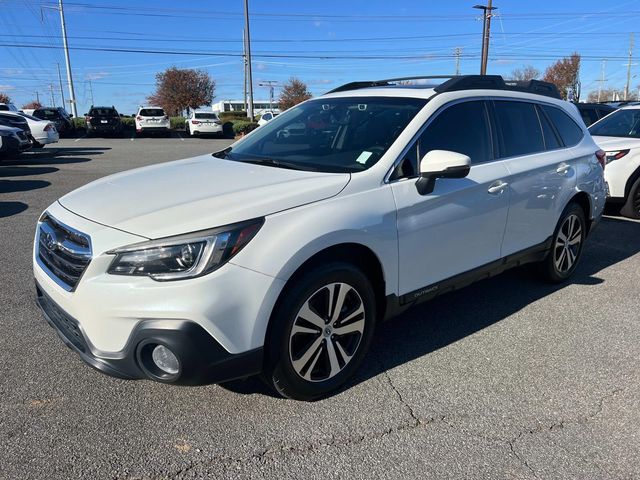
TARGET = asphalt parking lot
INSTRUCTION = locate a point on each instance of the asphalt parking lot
(508, 378)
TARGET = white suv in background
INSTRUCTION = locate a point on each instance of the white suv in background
(279, 254)
(619, 135)
(203, 123)
(267, 117)
(152, 120)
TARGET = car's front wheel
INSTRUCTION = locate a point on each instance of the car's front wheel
(321, 332)
(566, 247)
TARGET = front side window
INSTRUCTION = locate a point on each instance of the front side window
(621, 123)
(461, 128)
(519, 128)
(329, 134)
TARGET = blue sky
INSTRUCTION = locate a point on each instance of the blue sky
(323, 43)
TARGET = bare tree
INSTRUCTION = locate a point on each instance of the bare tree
(32, 104)
(565, 73)
(293, 92)
(4, 98)
(527, 72)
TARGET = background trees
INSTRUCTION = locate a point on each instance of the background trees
(565, 73)
(527, 72)
(293, 92)
(181, 89)
(4, 98)
(33, 104)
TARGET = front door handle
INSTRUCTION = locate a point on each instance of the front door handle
(563, 168)
(497, 188)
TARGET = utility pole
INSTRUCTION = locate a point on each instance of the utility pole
(626, 87)
(53, 100)
(244, 66)
(91, 92)
(37, 97)
(60, 81)
(486, 33)
(72, 95)
(271, 85)
(457, 52)
(248, 40)
(601, 81)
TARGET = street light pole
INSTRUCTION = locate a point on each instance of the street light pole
(72, 94)
(486, 33)
(248, 53)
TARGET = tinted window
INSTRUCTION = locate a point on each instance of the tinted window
(103, 112)
(47, 113)
(330, 134)
(4, 108)
(603, 112)
(621, 123)
(461, 128)
(569, 130)
(152, 112)
(519, 128)
(551, 140)
(206, 116)
(589, 115)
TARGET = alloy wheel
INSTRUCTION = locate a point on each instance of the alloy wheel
(326, 332)
(568, 244)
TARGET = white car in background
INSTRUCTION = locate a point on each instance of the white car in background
(267, 117)
(43, 131)
(152, 120)
(203, 123)
(618, 134)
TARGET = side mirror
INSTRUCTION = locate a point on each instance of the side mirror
(441, 164)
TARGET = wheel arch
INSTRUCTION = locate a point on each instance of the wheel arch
(584, 200)
(630, 181)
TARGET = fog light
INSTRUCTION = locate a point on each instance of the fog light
(165, 360)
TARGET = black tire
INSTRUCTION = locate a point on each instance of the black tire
(37, 145)
(313, 286)
(631, 208)
(558, 267)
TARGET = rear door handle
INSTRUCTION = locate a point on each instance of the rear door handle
(563, 168)
(497, 188)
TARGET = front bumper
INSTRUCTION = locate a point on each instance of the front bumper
(202, 359)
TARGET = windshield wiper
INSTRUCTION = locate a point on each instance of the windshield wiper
(274, 163)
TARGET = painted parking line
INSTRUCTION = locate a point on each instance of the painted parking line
(180, 137)
(132, 138)
(79, 138)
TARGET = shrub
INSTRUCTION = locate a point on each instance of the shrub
(177, 123)
(239, 115)
(79, 123)
(243, 127)
(128, 123)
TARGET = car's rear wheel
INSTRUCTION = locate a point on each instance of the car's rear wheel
(321, 332)
(631, 207)
(566, 247)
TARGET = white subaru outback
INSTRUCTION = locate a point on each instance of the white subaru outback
(278, 255)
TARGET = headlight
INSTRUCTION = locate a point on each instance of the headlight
(616, 155)
(184, 256)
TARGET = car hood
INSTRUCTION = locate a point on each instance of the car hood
(616, 143)
(196, 194)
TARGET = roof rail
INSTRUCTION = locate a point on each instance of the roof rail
(464, 82)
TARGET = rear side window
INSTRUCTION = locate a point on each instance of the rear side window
(462, 128)
(568, 129)
(152, 112)
(519, 129)
(589, 115)
(551, 140)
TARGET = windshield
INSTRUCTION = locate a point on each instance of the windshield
(151, 112)
(206, 116)
(622, 123)
(330, 135)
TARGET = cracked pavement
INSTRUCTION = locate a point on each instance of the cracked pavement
(508, 378)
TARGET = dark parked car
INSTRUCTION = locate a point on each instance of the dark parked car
(60, 118)
(16, 121)
(12, 142)
(592, 112)
(103, 120)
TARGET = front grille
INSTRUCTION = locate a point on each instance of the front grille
(65, 252)
(62, 321)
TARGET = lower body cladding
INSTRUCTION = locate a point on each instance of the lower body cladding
(171, 351)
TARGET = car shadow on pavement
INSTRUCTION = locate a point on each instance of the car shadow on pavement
(8, 209)
(8, 186)
(11, 171)
(444, 320)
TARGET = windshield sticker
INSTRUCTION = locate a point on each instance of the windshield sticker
(364, 156)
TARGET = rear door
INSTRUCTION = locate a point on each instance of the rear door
(460, 225)
(542, 171)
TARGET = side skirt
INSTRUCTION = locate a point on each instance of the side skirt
(397, 305)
